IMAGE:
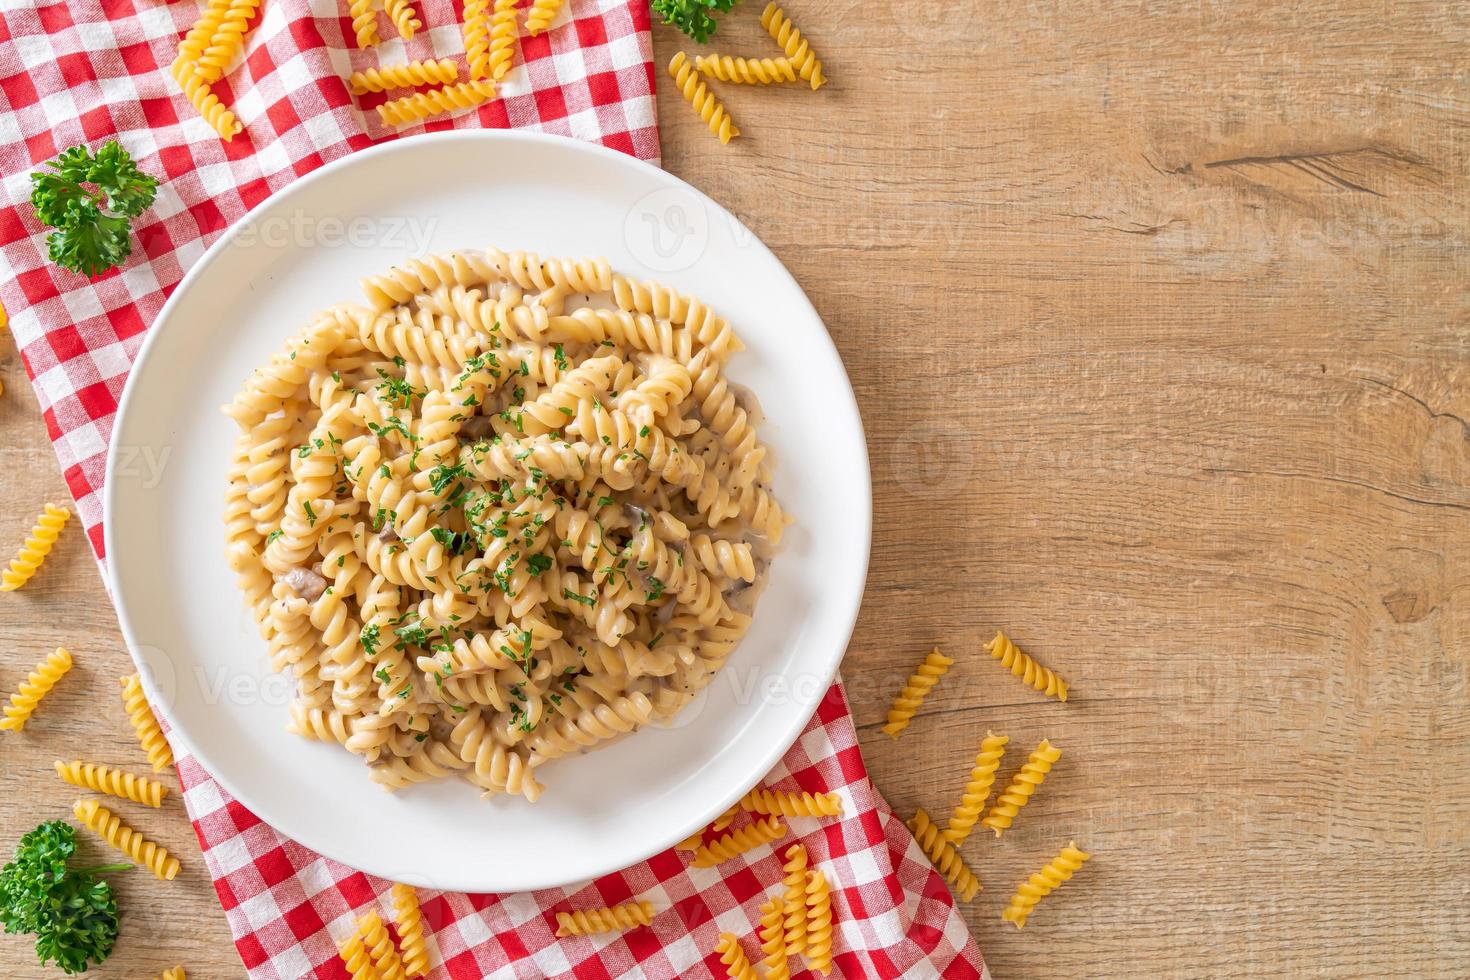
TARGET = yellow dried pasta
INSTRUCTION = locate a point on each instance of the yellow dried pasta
(205, 102)
(194, 43)
(1023, 784)
(1032, 674)
(773, 938)
(977, 790)
(412, 108)
(738, 842)
(793, 899)
(364, 22)
(410, 921)
(745, 71)
(503, 35)
(226, 41)
(355, 957)
(35, 687)
(912, 696)
(113, 782)
(737, 966)
(697, 94)
(943, 856)
(615, 919)
(541, 14)
(120, 836)
(38, 545)
(410, 74)
(1043, 883)
(380, 946)
(818, 922)
(780, 27)
(145, 724)
(404, 17)
(177, 973)
(476, 30)
(791, 804)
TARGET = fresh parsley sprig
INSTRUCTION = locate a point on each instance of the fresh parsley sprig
(91, 202)
(693, 17)
(71, 912)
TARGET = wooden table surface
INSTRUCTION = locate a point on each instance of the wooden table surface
(1157, 318)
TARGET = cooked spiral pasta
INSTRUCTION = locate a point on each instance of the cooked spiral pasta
(408, 75)
(818, 922)
(746, 71)
(404, 17)
(791, 804)
(487, 520)
(780, 27)
(364, 22)
(793, 898)
(38, 545)
(145, 725)
(738, 842)
(380, 946)
(943, 856)
(206, 103)
(1032, 674)
(977, 790)
(227, 40)
(35, 687)
(697, 94)
(909, 699)
(773, 938)
(501, 50)
(475, 28)
(737, 965)
(1042, 883)
(356, 959)
(177, 973)
(410, 922)
(1023, 784)
(541, 14)
(118, 835)
(615, 919)
(412, 108)
(114, 782)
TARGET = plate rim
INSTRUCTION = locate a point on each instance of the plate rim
(852, 604)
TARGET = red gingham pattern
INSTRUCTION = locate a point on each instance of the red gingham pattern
(75, 73)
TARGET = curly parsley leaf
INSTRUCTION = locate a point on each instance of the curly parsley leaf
(90, 201)
(693, 17)
(71, 912)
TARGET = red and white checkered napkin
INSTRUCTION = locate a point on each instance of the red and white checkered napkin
(83, 73)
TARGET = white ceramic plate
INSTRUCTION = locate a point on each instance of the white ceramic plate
(306, 248)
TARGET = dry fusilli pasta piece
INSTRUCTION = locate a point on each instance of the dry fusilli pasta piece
(697, 94)
(404, 17)
(818, 922)
(150, 736)
(737, 965)
(412, 108)
(541, 14)
(114, 782)
(120, 836)
(177, 973)
(793, 899)
(503, 34)
(37, 546)
(202, 33)
(615, 919)
(476, 31)
(35, 687)
(206, 103)
(773, 938)
(226, 41)
(943, 856)
(1043, 883)
(1023, 784)
(746, 71)
(780, 27)
(791, 804)
(692, 842)
(355, 957)
(977, 790)
(380, 946)
(738, 842)
(1032, 674)
(408, 75)
(907, 703)
(410, 922)
(364, 22)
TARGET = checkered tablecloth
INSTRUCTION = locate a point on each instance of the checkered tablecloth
(86, 72)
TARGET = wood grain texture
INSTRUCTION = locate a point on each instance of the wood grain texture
(1156, 316)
